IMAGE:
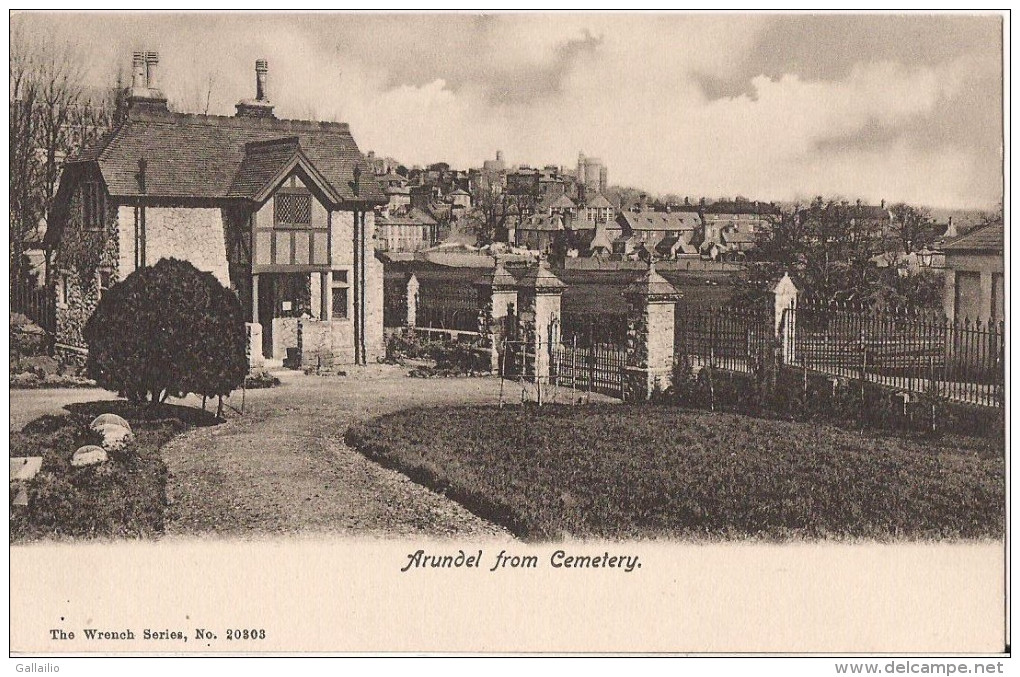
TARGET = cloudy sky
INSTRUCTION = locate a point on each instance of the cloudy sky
(782, 107)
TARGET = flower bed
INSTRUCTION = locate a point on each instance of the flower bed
(124, 496)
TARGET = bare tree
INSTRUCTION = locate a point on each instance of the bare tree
(494, 206)
(51, 118)
(197, 97)
(913, 226)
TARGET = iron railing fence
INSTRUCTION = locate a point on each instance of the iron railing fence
(36, 303)
(588, 369)
(920, 352)
(914, 350)
(730, 338)
(586, 330)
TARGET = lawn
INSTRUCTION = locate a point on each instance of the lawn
(124, 496)
(624, 471)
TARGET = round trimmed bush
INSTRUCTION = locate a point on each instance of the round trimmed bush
(167, 330)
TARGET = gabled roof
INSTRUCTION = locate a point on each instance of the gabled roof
(599, 202)
(668, 221)
(581, 223)
(422, 215)
(391, 179)
(666, 245)
(990, 238)
(687, 247)
(561, 201)
(737, 237)
(267, 164)
(542, 222)
(601, 241)
(199, 156)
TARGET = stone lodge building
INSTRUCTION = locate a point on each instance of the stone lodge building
(975, 282)
(280, 211)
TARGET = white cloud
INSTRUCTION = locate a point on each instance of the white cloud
(428, 88)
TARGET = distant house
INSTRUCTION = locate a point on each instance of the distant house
(873, 220)
(558, 204)
(460, 198)
(975, 281)
(733, 226)
(408, 231)
(398, 193)
(279, 211)
(628, 246)
(671, 232)
(539, 232)
(735, 243)
(598, 208)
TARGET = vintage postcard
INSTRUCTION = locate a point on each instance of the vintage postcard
(509, 333)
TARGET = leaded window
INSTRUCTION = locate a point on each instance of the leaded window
(293, 210)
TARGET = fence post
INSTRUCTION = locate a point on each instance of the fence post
(573, 369)
(497, 294)
(785, 309)
(540, 292)
(652, 300)
(411, 317)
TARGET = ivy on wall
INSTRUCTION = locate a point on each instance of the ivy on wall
(79, 256)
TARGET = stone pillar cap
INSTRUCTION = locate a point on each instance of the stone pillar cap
(785, 285)
(542, 279)
(499, 278)
(653, 286)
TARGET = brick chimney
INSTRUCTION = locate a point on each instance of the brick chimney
(259, 107)
(144, 95)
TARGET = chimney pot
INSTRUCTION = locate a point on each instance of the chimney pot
(138, 70)
(151, 69)
(259, 107)
(144, 94)
(261, 75)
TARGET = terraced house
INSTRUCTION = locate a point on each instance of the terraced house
(280, 211)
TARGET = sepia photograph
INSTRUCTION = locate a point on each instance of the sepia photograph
(510, 333)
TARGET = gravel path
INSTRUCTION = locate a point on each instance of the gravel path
(28, 404)
(283, 467)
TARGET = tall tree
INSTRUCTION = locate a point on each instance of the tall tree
(828, 249)
(52, 117)
(913, 226)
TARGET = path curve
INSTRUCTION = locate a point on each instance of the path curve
(283, 468)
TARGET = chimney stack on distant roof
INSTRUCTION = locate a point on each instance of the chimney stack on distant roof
(259, 107)
(950, 229)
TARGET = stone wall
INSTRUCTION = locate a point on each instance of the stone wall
(194, 234)
(326, 345)
(285, 335)
(79, 258)
(375, 344)
(342, 240)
